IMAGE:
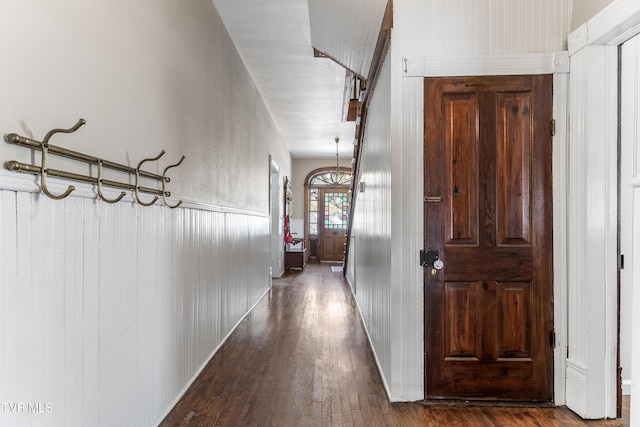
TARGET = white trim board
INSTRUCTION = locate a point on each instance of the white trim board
(487, 65)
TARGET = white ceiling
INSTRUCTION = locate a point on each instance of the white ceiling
(303, 93)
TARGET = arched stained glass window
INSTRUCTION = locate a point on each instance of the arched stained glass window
(331, 178)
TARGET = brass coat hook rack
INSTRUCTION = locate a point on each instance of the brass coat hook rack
(44, 171)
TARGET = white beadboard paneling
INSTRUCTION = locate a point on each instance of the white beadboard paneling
(347, 31)
(408, 300)
(90, 334)
(383, 268)
(117, 306)
(372, 226)
(436, 33)
(25, 292)
(9, 292)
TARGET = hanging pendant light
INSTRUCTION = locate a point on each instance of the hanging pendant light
(338, 177)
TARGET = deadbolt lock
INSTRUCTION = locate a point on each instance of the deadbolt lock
(430, 259)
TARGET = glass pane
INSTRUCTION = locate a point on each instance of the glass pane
(313, 228)
(313, 217)
(313, 194)
(331, 178)
(313, 206)
(335, 214)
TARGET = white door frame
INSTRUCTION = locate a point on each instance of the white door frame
(276, 219)
(591, 377)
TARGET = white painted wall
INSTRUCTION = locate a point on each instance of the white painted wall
(146, 76)
(107, 312)
(583, 10)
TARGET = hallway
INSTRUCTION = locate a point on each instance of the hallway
(301, 358)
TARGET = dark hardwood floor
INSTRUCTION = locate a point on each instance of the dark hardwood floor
(301, 358)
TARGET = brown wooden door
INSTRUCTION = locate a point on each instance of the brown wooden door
(332, 222)
(489, 310)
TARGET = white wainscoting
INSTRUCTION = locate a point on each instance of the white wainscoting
(372, 226)
(108, 312)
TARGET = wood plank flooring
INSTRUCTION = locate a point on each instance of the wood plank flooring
(301, 358)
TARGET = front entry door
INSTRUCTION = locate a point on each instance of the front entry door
(333, 204)
(488, 213)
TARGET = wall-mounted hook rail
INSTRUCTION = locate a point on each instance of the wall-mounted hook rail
(13, 138)
(44, 171)
(15, 166)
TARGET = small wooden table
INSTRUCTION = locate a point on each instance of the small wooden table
(295, 254)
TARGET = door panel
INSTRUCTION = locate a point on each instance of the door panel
(489, 311)
(333, 222)
(514, 166)
(461, 154)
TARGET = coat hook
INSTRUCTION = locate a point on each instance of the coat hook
(165, 179)
(155, 198)
(100, 180)
(45, 155)
(71, 130)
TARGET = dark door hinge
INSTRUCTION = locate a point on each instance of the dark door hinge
(553, 127)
